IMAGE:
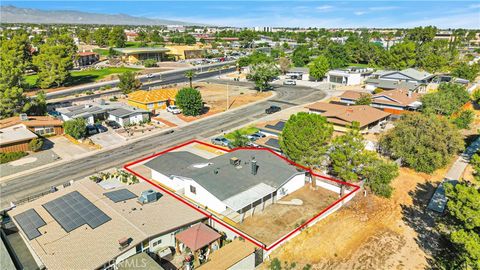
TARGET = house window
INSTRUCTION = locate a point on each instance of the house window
(44, 130)
(193, 189)
(156, 243)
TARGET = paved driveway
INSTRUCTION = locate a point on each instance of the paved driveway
(107, 139)
(171, 118)
(65, 148)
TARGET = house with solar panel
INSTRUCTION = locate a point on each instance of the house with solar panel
(85, 226)
(272, 131)
(236, 184)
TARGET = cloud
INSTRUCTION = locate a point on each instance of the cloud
(359, 13)
(383, 8)
(474, 6)
(324, 8)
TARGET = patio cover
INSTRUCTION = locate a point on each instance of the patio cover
(197, 236)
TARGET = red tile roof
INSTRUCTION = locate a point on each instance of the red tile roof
(197, 236)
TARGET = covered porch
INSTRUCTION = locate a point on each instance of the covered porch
(199, 241)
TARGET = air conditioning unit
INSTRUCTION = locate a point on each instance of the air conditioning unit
(149, 196)
(235, 161)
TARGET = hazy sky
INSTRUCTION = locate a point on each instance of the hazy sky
(443, 14)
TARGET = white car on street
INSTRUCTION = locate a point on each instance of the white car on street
(173, 109)
(289, 82)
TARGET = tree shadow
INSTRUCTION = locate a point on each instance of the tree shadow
(47, 144)
(424, 221)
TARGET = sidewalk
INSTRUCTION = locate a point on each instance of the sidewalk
(457, 169)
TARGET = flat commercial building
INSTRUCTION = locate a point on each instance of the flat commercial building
(135, 55)
(182, 52)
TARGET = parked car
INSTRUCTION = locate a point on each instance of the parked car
(112, 124)
(272, 109)
(150, 75)
(252, 144)
(221, 141)
(173, 109)
(290, 82)
(255, 136)
(101, 128)
(91, 130)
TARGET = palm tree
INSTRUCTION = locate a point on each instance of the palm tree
(190, 74)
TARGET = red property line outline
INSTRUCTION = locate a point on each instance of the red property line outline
(210, 216)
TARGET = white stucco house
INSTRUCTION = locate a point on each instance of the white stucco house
(126, 117)
(234, 184)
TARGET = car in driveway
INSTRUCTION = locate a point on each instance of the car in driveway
(101, 128)
(91, 130)
(272, 109)
(112, 124)
(289, 82)
(173, 109)
(221, 141)
(255, 136)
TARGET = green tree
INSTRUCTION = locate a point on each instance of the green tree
(53, 64)
(475, 162)
(38, 104)
(13, 102)
(421, 35)
(449, 98)
(364, 99)
(400, 56)
(337, 56)
(12, 62)
(189, 74)
(434, 56)
(465, 71)
(239, 140)
(100, 36)
(128, 83)
(464, 119)
(284, 63)
(117, 38)
(190, 101)
(301, 56)
(463, 222)
(476, 95)
(318, 67)
(305, 138)
(423, 142)
(262, 74)
(75, 128)
(347, 154)
(378, 174)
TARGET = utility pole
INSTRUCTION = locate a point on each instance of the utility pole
(228, 102)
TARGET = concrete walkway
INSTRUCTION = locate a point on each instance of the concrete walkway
(457, 169)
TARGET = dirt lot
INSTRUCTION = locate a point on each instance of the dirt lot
(371, 232)
(277, 219)
(215, 98)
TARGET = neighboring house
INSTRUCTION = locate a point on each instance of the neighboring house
(86, 59)
(152, 99)
(15, 139)
(236, 184)
(298, 73)
(342, 117)
(409, 78)
(237, 255)
(135, 55)
(126, 117)
(131, 36)
(91, 113)
(40, 125)
(272, 131)
(396, 101)
(85, 226)
(182, 52)
(349, 76)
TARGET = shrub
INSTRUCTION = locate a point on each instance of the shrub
(75, 128)
(464, 119)
(35, 144)
(7, 157)
(377, 90)
(150, 63)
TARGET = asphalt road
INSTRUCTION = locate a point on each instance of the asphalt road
(42, 180)
(166, 77)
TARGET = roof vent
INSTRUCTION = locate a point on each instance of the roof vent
(216, 171)
(149, 196)
(235, 161)
(23, 117)
(254, 167)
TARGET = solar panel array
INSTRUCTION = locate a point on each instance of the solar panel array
(278, 126)
(72, 210)
(273, 143)
(30, 221)
(120, 195)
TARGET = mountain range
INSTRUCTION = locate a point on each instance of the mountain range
(12, 14)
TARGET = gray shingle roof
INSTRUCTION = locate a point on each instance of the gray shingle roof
(121, 112)
(230, 180)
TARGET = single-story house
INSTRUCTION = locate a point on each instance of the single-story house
(396, 101)
(40, 125)
(86, 58)
(91, 113)
(298, 73)
(234, 184)
(84, 226)
(342, 116)
(270, 142)
(126, 117)
(135, 55)
(349, 76)
(15, 138)
(152, 99)
(131, 36)
(272, 128)
(409, 78)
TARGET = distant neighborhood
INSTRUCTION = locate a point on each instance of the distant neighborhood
(182, 146)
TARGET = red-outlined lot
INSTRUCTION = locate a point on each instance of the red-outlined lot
(236, 231)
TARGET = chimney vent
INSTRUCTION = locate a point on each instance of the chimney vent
(254, 166)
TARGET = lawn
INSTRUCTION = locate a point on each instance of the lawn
(244, 131)
(137, 44)
(102, 52)
(83, 76)
(358, 65)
